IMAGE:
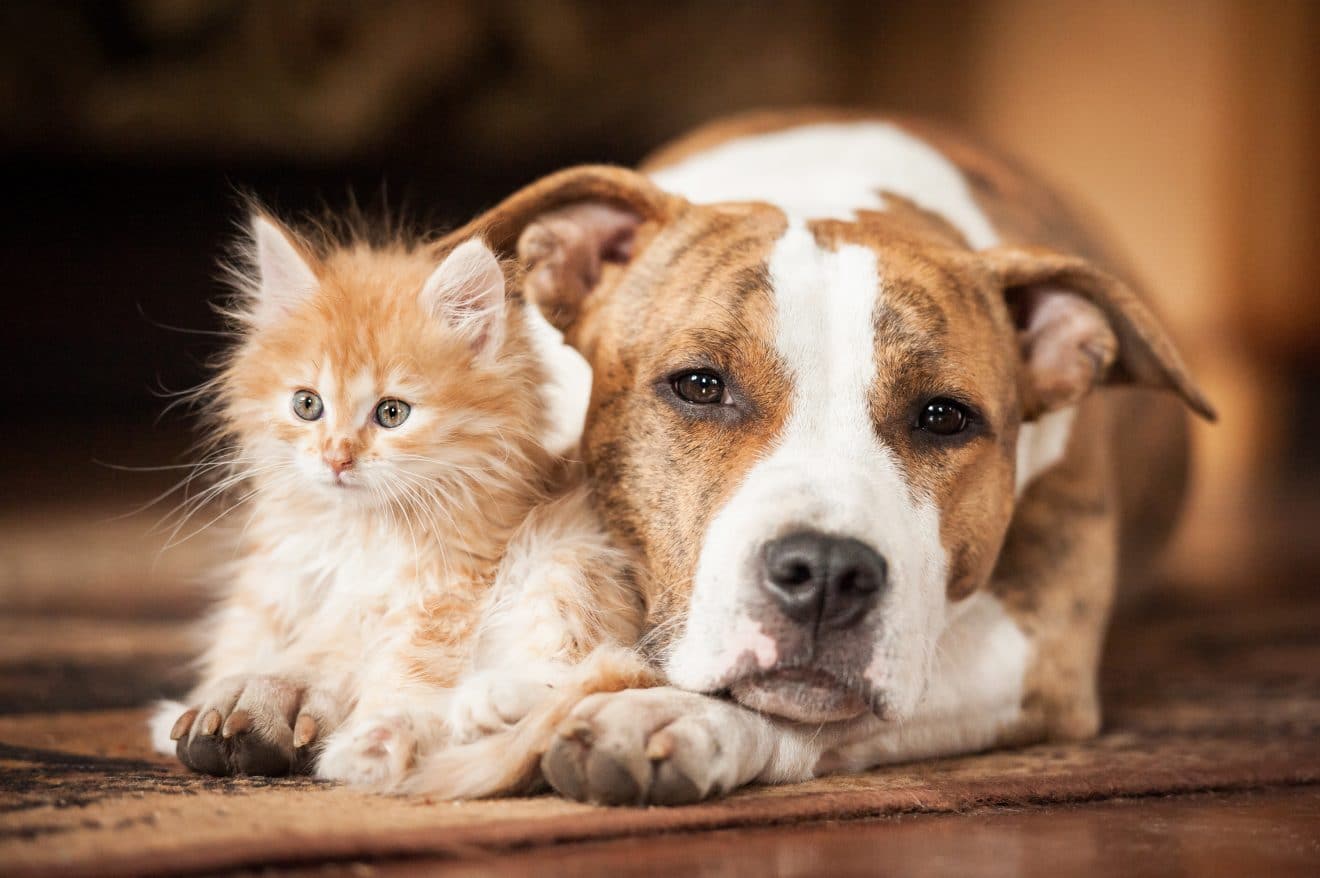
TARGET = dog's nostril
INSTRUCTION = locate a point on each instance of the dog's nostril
(795, 574)
(850, 581)
(862, 579)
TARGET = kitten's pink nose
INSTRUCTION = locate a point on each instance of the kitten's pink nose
(339, 464)
(338, 458)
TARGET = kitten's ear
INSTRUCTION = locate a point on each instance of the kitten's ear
(467, 292)
(284, 276)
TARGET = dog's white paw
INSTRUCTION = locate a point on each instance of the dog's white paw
(651, 746)
(491, 701)
(374, 752)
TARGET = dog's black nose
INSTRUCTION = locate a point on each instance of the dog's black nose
(813, 576)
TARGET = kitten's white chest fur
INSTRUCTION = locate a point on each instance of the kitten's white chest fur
(326, 571)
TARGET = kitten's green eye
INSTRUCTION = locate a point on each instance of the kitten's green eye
(307, 405)
(391, 413)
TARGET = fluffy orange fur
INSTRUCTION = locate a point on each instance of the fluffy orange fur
(399, 583)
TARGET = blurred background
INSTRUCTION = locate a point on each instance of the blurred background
(1187, 127)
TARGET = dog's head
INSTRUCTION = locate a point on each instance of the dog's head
(810, 430)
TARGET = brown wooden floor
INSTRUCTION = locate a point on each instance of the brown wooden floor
(1273, 833)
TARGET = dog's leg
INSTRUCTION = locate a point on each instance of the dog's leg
(669, 747)
(1057, 576)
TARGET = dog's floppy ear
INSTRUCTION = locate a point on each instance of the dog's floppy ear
(567, 226)
(1079, 327)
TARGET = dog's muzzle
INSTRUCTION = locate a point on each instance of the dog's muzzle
(820, 586)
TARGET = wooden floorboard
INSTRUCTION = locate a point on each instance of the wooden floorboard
(1274, 833)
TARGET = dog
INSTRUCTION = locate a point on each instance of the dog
(844, 413)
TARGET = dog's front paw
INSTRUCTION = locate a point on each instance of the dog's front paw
(374, 752)
(262, 725)
(649, 747)
(492, 701)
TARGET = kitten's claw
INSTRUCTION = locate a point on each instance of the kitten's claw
(578, 730)
(238, 721)
(182, 724)
(247, 726)
(304, 730)
(202, 752)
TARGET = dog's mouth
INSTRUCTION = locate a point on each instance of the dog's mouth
(804, 695)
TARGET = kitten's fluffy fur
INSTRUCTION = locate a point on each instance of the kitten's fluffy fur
(377, 566)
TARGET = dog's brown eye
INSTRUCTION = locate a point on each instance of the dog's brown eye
(699, 388)
(943, 417)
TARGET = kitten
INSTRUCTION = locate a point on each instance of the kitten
(416, 569)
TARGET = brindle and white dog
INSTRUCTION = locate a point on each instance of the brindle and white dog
(842, 411)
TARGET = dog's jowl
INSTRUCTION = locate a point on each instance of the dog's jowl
(843, 411)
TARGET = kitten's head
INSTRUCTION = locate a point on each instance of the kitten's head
(381, 376)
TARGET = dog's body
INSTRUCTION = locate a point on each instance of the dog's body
(841, 410)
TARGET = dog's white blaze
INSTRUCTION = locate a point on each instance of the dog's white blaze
(831, 171)
(828, 471)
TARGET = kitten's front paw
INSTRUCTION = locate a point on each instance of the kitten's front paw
(260, 725)
(374, 752)
(491, 701)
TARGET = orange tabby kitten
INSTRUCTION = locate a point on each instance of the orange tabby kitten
(416, 568)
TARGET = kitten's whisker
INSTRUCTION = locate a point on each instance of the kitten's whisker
(458, 474)
(401, 497)
(388, 493)
(421, 491)
(175, 541)
(191, 506)
(196, 470)
(425, 490)
(281, 478)
(415, 501)
(120, 467)
(437, 493)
